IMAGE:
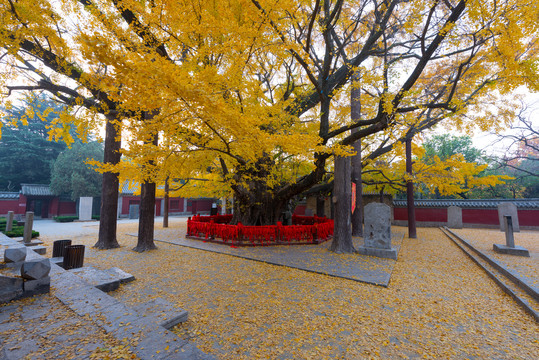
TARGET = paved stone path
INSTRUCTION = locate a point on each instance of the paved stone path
(312, 258)
(146, 338)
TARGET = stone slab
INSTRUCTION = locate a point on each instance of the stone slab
(100, 279)
(58, 261)
(36, 269)
(381, 253)
(454, 217)
(122, 276)
(85, 208)
(14, 254)
(377, 232)
(41, 250)
(314, 258)
(165, 314)
(517, 250)
(33, 242)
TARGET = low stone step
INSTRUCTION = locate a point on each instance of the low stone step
(33, 242)
(163, 312)
(41, 250)
(100, 279)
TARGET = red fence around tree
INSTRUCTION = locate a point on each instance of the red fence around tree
(304, 230)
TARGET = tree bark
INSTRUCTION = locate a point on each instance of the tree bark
(146, 218)
(147, 203)
(320, 206)
(165, 208)
(410, 192)
(342, 192)
(355, 113)
(109, 189)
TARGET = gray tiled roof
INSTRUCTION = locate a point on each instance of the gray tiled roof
(128, 187)
(476, 203)
(36, 190)
(7, 195)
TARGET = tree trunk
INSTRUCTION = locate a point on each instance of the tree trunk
(165, 210)
(410, 192)
(147, 203)
(355, 113)
(342, 192)
(146, 218)
(257, 208)
(109, 189)
(320, 206)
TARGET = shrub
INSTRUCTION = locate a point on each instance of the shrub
(65, 218)
(18, 231)
(96, 217)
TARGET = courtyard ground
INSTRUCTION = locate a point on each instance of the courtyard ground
(438, 304)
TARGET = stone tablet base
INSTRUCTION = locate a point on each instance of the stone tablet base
(517, 250)
(381, 253)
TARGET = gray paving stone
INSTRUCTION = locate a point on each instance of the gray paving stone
(100, 279)
(10, 288)
(165, 313)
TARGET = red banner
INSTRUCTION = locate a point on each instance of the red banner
(353, 197)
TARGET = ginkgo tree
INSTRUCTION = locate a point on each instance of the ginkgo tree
(252, 95)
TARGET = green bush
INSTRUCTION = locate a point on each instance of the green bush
(3, 221)
(18, 231)
(96, 217)
(65, 218)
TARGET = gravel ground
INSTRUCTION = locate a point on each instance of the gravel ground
(439, 304)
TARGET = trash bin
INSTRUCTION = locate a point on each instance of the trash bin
(58, 247)
(73, 256)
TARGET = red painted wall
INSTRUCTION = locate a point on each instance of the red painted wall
(8, 205)
(300, 210)
(67, 208)
(480, 216)
(469, 216)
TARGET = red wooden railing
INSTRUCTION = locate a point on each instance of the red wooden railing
(215, 228)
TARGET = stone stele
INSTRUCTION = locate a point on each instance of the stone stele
(508, 209)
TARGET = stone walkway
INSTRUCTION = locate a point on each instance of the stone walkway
(88, 308)
(312, 258)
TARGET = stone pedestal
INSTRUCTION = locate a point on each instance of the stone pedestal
(85, 208)
(454, 217)
(377, 232)
(509, 248)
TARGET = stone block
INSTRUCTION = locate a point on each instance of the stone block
(10, 288)
(517, 250)
(508, 209)
(14, 254)
(454, 217)
(133, 211)
(36, 269)
(58, 261)
(38, 286)
(377, 233)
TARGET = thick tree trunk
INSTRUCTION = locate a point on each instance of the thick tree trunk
(146, 218)
(165, 210)
(147, 203)
(410, 192)
(109, 190)
(257, 208)
(342, 192)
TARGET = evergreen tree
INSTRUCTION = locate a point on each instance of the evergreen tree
(25, 150)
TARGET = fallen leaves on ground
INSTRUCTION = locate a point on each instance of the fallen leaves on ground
(439, 304)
